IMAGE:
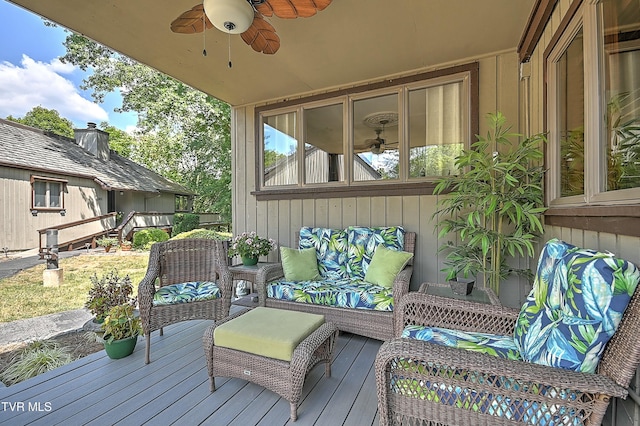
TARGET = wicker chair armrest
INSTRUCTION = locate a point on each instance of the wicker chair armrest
(265, 275)
(401, 283)
(435, 311)
(147, 287)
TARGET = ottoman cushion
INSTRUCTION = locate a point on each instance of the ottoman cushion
(269, 332)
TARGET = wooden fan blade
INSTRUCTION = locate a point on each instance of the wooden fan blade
(262, 37)
(191, 21)
(368, 143)
(289, 9)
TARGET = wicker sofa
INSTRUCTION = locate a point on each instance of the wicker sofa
(462, 363)
(343, 259)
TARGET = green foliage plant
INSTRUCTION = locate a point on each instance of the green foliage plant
(493, 205)
(120, 323)
(144, 239)
(108, 291)
(107, 242)
(183, 222)
(207, 234)
(37, 358)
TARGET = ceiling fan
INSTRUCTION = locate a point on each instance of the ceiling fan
(377, 145)
(246, 17)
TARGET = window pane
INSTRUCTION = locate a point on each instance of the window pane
(40, 194)
(622, 93)
(280, 148)
(435, 130)
(375, 138)
(324, 144)
(570, 96)
(54, 194)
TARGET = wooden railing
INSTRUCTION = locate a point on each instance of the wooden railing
(139, 220)
(80, 231)
(86, 231)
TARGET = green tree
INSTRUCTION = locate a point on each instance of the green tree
(183, 134)
(46, 119)
(119, 140)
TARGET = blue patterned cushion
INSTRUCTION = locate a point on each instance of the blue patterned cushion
(331, 250)
(186, 292)
(344, 293)
(575, 306)
(362, 243)
(492, 344)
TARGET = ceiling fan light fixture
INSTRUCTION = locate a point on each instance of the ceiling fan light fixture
(229, 16)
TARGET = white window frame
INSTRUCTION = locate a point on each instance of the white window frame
(588, 17)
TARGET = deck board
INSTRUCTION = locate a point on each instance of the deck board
(174, 389)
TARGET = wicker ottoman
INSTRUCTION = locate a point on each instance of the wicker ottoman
(273, 348)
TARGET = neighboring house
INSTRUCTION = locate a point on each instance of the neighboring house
(47, 180)
(319, 166)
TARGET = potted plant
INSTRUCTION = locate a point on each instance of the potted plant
(108, 291)
(125, 245)
(107, 243)
(249, 246)
(121, 329)
(493, 205)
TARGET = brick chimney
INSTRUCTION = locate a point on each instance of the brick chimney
(94, 141)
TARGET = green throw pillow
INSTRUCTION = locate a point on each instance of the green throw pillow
(299, 265)
(385, 265)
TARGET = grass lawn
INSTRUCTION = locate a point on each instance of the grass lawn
(24, 296)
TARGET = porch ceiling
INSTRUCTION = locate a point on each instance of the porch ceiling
(351, 41)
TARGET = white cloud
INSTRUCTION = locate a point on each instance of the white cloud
(42, 84)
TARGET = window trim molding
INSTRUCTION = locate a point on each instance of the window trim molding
(63, 185)
(359, 189)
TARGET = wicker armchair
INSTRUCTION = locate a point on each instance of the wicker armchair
(183, 261)
(420, 382)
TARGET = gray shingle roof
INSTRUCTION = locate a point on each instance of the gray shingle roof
(29, 148)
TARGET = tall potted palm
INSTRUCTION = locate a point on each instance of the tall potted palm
(493, 205)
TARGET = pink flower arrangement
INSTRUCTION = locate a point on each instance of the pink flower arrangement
(249, 244)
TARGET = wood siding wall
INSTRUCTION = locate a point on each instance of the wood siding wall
(83, 199)
(280, 219)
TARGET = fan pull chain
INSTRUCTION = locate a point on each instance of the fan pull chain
(204, 35)
(230, 64)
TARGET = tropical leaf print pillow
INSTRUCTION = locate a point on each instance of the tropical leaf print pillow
(331, 250)
(363, 242)
(575, 306)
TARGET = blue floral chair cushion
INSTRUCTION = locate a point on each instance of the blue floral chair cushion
(186, 292)
(362, 243)
(331, 250)
(575, 306)
(343, 293)
(492, 344)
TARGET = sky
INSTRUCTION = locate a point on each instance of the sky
(31, 75)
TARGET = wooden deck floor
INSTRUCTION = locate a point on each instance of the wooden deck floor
(174, 389)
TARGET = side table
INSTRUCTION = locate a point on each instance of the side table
(479, 294)
(247, 273)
